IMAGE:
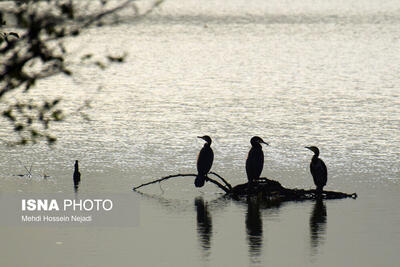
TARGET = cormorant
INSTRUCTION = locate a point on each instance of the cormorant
(77, 175)
(318, 169)
(255, 159)
(204, 161)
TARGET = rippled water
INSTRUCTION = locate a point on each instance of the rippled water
(296, 73)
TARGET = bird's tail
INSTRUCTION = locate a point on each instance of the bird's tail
(200, 180)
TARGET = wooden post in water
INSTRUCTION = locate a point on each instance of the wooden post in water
(77, 176)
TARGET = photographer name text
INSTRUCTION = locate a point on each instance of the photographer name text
(55, 219)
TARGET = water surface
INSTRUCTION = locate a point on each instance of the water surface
(296, 73)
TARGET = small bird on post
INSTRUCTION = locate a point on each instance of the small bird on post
(318, 169)
(204, 161)
(77, 175)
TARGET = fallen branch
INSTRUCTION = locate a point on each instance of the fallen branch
(223, 180)
(264, 187)
(208, 179)
(163, 179)
(218, 184)
(28, 171)
(273, 190)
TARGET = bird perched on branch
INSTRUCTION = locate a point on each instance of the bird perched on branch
(77, 175)
(255, 159)
(204, 161)
(318, 169)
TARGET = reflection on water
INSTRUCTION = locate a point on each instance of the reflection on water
(254, 224)
(204, 224)
(256, 207)
(254, 228)
(317, 225)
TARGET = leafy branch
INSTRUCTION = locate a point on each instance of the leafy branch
(36, 50)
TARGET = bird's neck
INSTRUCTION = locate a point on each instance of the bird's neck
(207, 145)
(315, 157)
(256, 146)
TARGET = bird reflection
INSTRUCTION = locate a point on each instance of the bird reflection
(254, 228)
(317, 225)
(204, 224)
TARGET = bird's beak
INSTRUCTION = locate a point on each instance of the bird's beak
(265, 143)
(308, 147)
(201, 137)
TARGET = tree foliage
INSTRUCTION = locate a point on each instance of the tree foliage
(32, 48)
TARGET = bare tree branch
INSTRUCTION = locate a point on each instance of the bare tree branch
(182, 175)
(266, 188)
(223, 180)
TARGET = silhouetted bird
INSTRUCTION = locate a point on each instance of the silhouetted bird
(77, 175)
(255, 159)
(318, 169)
(204, 161)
